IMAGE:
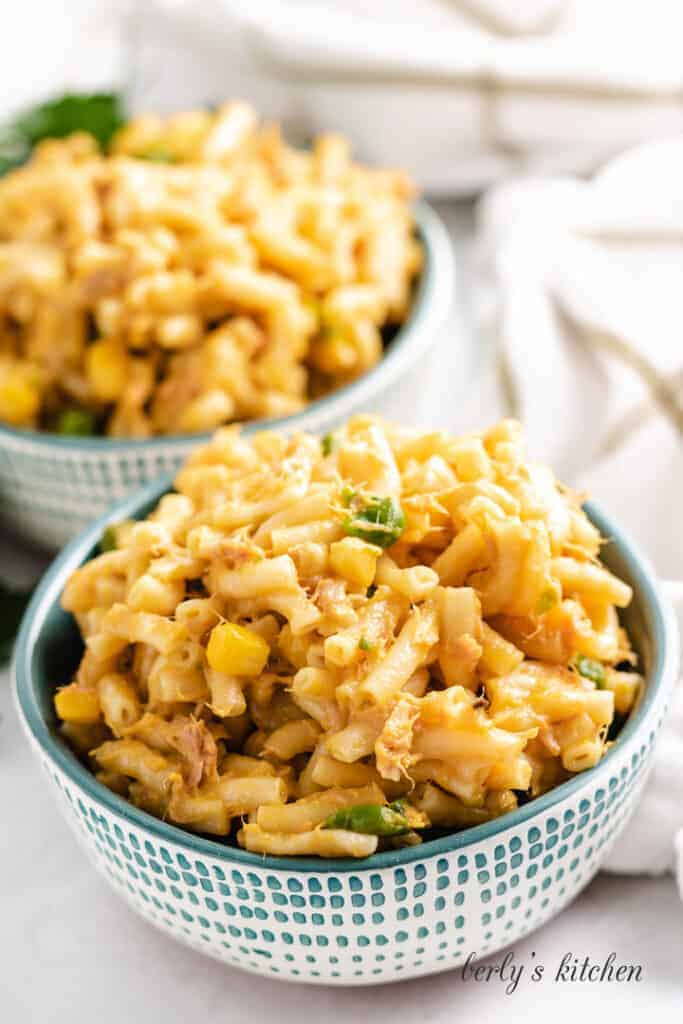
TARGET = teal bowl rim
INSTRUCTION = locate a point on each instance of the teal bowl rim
(437, 277)
(660, 627)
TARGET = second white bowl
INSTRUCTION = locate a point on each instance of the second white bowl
(51, 487)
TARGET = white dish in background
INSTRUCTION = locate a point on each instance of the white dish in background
(51, 487)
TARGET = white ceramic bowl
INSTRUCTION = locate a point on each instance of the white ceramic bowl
(51, 487)
(393, 915)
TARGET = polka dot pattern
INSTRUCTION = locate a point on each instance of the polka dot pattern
(364, 923)
(52, 493)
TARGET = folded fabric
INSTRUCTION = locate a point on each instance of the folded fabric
(460, 93)
(511, 19)
(652, 842)
(584, 299)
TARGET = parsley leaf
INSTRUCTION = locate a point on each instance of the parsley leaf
(100, 114)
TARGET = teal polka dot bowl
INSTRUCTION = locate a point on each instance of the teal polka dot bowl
(394, 915)
(51, 487)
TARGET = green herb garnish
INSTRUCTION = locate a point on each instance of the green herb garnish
(76, 423)
(399, 806)
(364, 644)
(327, 444)
(108, 539)
(370, 819)
(99, 114)
(381, 521)
(591, 669)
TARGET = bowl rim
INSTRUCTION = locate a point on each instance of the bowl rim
(431, 303)
(664, 636)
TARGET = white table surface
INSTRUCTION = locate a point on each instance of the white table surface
(72, 953)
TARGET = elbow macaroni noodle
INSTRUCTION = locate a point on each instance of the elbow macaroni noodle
(305, 633)
(199, 273)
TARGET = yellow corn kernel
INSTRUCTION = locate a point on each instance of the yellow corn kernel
(107, 369)
(19, 400)
(77, 704)
(236, 650)
(355, 560)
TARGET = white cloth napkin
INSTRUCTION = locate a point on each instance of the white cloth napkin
(514, 19)
(459, 92)
(583, 286)
(585, 298)
(652, 842)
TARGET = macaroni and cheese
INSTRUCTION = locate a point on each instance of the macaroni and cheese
(322, 647)
(200, 272)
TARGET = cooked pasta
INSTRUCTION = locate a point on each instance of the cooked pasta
(435, 640)
(200, 272)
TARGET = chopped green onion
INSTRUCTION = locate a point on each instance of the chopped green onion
(348, 495)
(76, 423)
(370, 819)
(327, 444)
(590, 669)
(364, 644)
(108, 539)
(381, 522)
